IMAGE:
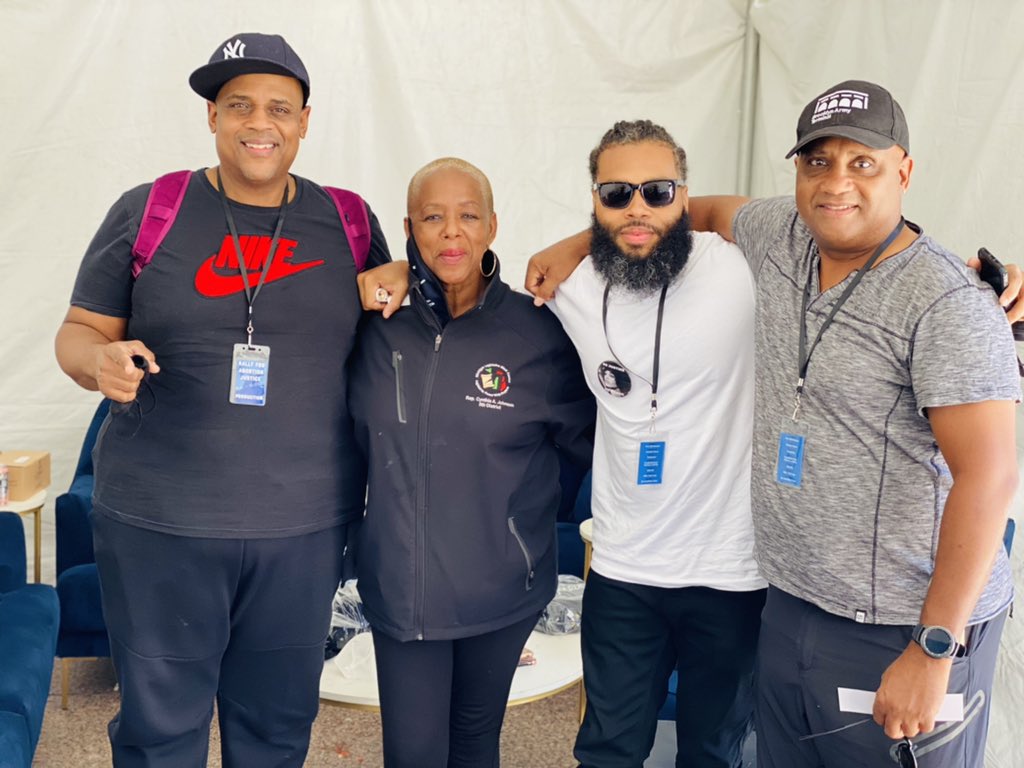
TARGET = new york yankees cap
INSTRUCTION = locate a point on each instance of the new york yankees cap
(854, 109)
(249, 53)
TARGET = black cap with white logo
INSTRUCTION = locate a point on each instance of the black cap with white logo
(249, 53)
(855, 110)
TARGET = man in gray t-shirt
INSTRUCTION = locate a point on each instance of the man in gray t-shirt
(884, 453)
(884, 457)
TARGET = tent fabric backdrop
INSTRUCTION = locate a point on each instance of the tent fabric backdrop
(97, 101)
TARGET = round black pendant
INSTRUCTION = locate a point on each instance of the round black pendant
(614, 378)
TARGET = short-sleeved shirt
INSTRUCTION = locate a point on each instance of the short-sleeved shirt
(183, 459)
(693, 528)
(858, 537)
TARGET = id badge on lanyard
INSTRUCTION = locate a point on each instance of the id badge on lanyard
(250, 371)
(250, 363)
(650, 468)
(652, 445)
(789, 463)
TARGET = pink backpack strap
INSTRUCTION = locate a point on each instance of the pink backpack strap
(162, 206)
(356, 221)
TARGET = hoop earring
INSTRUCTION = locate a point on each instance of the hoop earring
(494, 263)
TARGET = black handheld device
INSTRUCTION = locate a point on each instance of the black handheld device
(994, 273)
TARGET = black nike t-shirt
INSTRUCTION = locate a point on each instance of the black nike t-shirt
(182, 458)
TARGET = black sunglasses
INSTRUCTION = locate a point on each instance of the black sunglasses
(617, 194)
(902, 753)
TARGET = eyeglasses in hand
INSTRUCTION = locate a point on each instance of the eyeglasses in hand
(902, 753)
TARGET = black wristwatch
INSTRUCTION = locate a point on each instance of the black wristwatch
(938, 642)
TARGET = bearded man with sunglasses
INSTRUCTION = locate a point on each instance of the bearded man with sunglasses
(662, 318)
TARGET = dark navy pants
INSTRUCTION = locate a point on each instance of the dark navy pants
(805, 654)
(442, 702)
(242, 621)
(633, 637)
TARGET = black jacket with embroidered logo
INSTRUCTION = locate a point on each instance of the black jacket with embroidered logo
(459, 424)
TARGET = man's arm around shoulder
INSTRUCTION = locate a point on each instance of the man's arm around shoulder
(714, 213)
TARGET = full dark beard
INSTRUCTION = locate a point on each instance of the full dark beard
(636, 274)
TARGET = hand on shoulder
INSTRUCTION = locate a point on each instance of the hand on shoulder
(384, 288)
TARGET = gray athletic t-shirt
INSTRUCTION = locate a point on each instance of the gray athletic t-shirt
(858, 536)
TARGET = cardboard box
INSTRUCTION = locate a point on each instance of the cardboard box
(28, 472)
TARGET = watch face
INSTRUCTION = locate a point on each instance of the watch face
(937, 642)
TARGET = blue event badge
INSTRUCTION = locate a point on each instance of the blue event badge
(789, 469)
(250, 368)
(651, 462)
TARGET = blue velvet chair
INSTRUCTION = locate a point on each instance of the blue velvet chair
(29, 615)
(574, 510)
(83, 635)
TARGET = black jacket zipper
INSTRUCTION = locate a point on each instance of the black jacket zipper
(396, 363)
(526, 553)
(422, 474)
(422, 460)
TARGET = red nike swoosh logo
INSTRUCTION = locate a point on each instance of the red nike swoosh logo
(214, 284)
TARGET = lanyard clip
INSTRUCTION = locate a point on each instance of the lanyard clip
(796, 402)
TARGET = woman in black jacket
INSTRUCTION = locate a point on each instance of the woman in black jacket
(462, 401)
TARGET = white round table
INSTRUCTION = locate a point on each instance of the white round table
(350, 679)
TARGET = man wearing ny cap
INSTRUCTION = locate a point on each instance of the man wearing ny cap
(225, 475)
(884, 456)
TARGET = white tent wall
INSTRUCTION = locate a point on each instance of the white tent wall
(96, 101)
(957, 69)
(524, 90)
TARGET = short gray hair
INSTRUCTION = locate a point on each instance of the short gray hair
(635, 132)
(455, 164)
